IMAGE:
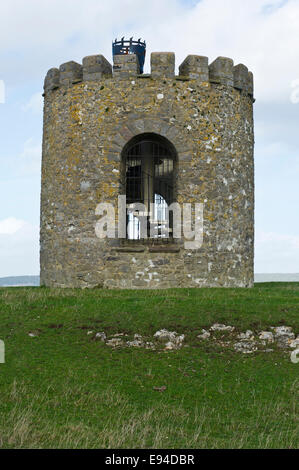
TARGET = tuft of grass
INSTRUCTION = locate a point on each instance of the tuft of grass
(61, 389)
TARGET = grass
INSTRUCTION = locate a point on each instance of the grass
(62, 389)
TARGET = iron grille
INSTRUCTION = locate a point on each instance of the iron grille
(149, 181)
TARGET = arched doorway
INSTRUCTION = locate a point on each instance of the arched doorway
(149, 168)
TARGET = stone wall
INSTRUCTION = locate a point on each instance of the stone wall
(90, 113)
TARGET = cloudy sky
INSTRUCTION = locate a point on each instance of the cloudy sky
(36, 35)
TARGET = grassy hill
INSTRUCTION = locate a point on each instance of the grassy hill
(62, 386)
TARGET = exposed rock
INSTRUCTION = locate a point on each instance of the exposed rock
(249, 335)
(266, 337)
(284, 336)
(245, 347)
(170, 346)
(294, 343)
(114, 342)
(34, 333)
(165, 335)
(220, 327)
(171, 339)
(282, 330)
(204, 335)
(90, 332)
(102, 336)
(138, 337)
(135, 344)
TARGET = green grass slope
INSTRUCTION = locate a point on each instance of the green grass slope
(63, 389)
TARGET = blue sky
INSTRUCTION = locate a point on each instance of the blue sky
(36, 35)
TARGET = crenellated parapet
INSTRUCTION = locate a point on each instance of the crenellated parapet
(126, 67)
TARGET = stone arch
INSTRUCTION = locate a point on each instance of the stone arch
(134, 127)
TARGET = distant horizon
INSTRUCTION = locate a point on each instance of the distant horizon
(255, 273)
(33, 280)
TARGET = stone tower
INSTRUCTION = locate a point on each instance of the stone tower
(156, 138)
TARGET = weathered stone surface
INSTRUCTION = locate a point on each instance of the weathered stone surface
(52, 80)
(125, 67)
(171, 339)
(204, 335)
(241, 77)
(266, 336)
(220, 327)
(250, 84)
(245, 347)
(162, 64)
(70, 73)
(284, 335)
(195, 67)
(86, 126)
(222, 71)
(102, 336)
(249, 335)
(96, 67)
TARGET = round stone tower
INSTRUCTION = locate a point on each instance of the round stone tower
(114, 137)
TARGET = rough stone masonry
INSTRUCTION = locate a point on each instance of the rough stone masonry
(91, 112)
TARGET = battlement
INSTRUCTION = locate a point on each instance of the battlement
(126, 67)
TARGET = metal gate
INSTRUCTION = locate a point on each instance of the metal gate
(149, 181)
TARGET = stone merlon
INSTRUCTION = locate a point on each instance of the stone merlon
(125, 67)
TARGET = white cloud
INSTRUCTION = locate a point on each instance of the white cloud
(276, 252)
(263, 34)
(35, 104)
(19, 247)
(30, 159)
(10, 226)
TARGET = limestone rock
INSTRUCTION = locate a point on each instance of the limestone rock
(204, 335)
(266, 336)
(114, 342)
(135, 344)
(249, 335)
(294, 343)
(171, 339)
(102, 336)
(284, 336)
(245, 347)
(220, 327)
